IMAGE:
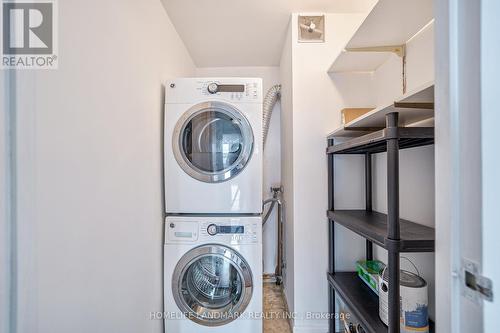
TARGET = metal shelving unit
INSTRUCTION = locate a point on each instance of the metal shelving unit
(386, 230)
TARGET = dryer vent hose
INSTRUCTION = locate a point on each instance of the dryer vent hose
(272, 96)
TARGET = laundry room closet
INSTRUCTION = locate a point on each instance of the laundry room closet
(389, 61)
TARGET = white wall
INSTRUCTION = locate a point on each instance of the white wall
(90, 170)
(286, 79)
(419, 68)
(420, 57)
(272, 150)
(416, 204)
(306, 123)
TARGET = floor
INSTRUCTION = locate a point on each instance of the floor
(275, 320)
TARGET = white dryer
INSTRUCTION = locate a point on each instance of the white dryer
(213, 274)
(213, 145)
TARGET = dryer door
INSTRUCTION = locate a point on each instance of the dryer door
(213, 142)
(212, 284)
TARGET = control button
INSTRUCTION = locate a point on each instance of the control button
(213, 88)
(212, 230)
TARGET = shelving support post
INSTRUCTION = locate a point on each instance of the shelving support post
(393, 232)
(368, 199)
(331, 243)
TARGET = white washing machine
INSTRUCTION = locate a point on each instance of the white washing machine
(213, 274)
(213, 145)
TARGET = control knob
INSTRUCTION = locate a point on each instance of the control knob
(213, 88)
(212, 230)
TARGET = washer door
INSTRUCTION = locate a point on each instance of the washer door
(213, 142)
(212, 285)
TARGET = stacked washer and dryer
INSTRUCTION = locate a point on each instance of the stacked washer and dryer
(213, 194)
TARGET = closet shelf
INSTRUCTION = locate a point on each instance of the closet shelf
(415, 106)
(373, 226)
(361, 301)
(358, 62)
(359, 298)
(375, 142)
(389, 23)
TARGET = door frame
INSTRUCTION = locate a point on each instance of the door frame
(7, 259)
(490, 114)
(467, 180)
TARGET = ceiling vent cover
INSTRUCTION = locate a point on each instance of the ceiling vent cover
(311, 29)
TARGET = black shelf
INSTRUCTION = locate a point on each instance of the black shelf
(373, 226)
(376, 142)
(389, 231)
(360, 299)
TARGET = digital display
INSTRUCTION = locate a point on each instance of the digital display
(183, 234)
(231, 229)
(231, 88)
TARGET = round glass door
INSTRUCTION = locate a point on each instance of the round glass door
(213, 142)
(212, 285)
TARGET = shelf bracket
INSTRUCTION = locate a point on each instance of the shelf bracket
(399, 50)
(414, 105)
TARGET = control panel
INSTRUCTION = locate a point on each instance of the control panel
(243, 233)
(202, 89)
(236, 92)
(237, 232)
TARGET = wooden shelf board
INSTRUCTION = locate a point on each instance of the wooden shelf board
(376, 117)
(342, 132)
(348, 62)
(390, 22)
